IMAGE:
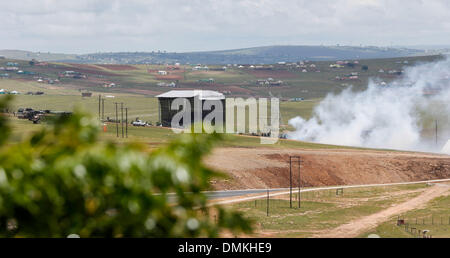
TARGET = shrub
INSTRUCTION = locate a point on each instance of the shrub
(63, 180)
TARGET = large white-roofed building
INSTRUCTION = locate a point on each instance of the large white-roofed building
(165, 101)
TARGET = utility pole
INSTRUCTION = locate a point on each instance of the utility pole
(299, 182)
(291, 158)
(126, 122)
(117, 121)
(121, 118)
(436, 133)
(103, 109)
(99, 106)
(290, 182)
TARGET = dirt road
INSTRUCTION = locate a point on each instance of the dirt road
(359, 226)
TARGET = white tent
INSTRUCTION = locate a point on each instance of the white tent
(446, 148)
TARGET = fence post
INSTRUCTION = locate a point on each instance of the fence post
(267, 203)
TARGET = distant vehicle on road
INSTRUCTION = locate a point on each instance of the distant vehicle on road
(139, 123)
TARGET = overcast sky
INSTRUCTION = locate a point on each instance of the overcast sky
(85, 26)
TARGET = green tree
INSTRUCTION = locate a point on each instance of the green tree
(63, 180)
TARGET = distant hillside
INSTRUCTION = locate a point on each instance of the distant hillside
(256, 55)
(41, 56)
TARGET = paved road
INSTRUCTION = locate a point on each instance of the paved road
(282, 191)
(212, 195)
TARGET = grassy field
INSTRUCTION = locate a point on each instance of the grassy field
(137, 84)
(143, 79)
(142, 107)
(155, 136)
(323, 210)
(435, 217)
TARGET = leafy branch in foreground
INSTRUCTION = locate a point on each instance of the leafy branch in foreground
(63, 180)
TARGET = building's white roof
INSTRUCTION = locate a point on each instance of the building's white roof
(446, 148)
(202, 94)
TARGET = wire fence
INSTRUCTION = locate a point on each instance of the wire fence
(274, 203)
(417, 226)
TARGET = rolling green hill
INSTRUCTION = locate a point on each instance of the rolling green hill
(255, 55)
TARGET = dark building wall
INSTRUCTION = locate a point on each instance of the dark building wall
(166, 114)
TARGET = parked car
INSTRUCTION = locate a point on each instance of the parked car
(139, 123)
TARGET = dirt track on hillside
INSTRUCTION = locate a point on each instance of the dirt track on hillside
(359, 226)
(269, 168)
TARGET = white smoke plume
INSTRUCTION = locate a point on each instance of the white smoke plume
(399, 115)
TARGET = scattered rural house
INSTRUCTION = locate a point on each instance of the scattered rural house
(12, 64)
(25, 72)
(276, 83)
(296, 99)
(73, 74)
(86, 94)
(35, 93)
(12, 68)
(336, 66)
(395, 72)
(349, 77)
(4, 75)
(210, 80)
(281, 63)
(165, 102)
(109, 85)
(218, 69)
(162, 72)
(163, 84)
(381, 71)
(41, 64)
(200, 68)
(173, 67)
(269, 82)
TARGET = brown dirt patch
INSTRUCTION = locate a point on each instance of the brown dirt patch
(276, 74)
(84, 69)
(169, 77)
(263, 168)
(118, 67)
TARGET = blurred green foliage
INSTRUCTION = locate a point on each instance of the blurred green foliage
(62, 180)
